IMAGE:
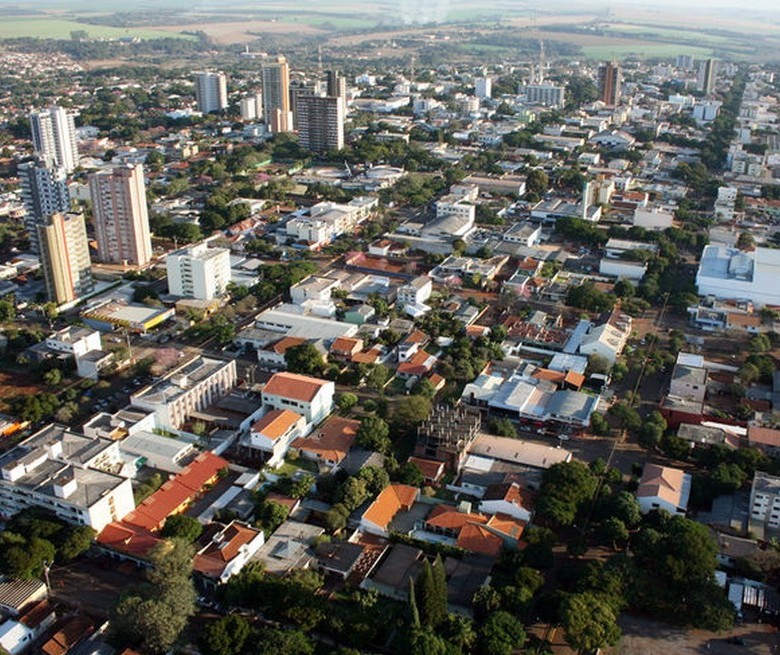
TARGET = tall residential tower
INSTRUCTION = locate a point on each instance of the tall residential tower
(610, 79)
(44, 192)
(211, 91)
(54, 137)
(65, 257)
(320, 122)
(276, 95)
(121, 216)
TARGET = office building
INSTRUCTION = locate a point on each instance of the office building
(44, 192)
(211, 91)
(276, 95)
(198, 271)
(251, 107)
(548, 95)
(64, 255)
(708, 70)
(610, 78)
(121, 216)
(68, 474)
(320, 123)
(54, 137)
(483, 87)
(186, 390)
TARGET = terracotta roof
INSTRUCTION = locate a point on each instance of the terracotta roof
(283, 345)
(127, 539)
(292, 385)
(36, 614)
(212, 559)
(346, 345)
(512, 493)
(71, 633)
(389, 502)
(284, 501)
(477, 330)
(416, 336)
(432, 469)
(764, 436)
(418, 364)
(449, 518)
(438, 381)
(507, 525)
(744, 320)
(332, 440)
(551, 376)
(478, 539)
(575, 379)
(370, 356)
(662, 482)
(276, 423)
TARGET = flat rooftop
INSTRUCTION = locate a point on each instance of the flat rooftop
(180, 381)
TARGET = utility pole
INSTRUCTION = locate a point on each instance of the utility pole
(46, 569)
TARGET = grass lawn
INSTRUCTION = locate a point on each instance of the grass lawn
(59, 28)
(288, 469)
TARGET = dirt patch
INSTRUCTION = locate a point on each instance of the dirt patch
(647, 637)
(15, 384)
(244, 31)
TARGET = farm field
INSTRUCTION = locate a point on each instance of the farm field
(60, 28)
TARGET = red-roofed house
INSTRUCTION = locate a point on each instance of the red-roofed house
(479, 539)
(344, 348)
(330, 443)
(509, 499)
(274, 432)
(310, 397)
(766, 439)
(418, 365)
(391, 500)
(272, 357)
(431, 469)
(225, 550)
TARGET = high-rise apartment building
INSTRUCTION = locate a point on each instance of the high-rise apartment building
(610, 79)
(336, 85)
(198, 271)
(483, 87)
(251, 107)
(54, 137)
(65, 257)
(549, 95)
(320, 122)
(708, 75)
(121, 216)
(276, 95)
(211, 91)
(44, 192)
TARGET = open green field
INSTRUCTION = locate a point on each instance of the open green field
(643, 51)
(50, 27)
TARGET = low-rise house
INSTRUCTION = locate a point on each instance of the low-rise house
(609, 338)
(417, 366)
(664, 487)
(16, 594)
(432, 470)
(345, 348)
(273, 433)
(289, 547)
(390, 501)
(765, 439)
(225, 549)
(310, 397)
(18, 634)
(509, 499)
(330, 442)
(273, 356)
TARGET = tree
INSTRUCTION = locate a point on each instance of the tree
(431, 598)
(412, 410)
(271, 515)
(745, 241)
(374, 434)
(586, 296)
(624, 289)
(500, 634)
(77, 541)
(565, 486)
(285, 642)
(375, 477)
(347, 401)
(377, 376)
(598, 364)
(225, 636)
(599, 425)
(614, 530)
(503, 427)
(410, 474)
(53, 377)
(625, 507)
(589, 621)
(537, 182)
(304, 359)
(7, 311)
(182, 527)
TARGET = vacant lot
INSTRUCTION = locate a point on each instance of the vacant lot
(15, 384)
(646, 637)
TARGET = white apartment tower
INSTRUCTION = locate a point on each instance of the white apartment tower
(276, 95)
(54, 137)
(44, 192)
(211, 91)
(251, 107)
(65, 257)
(483, 87)
(320, 122)
(198, 271)
(121, 216)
